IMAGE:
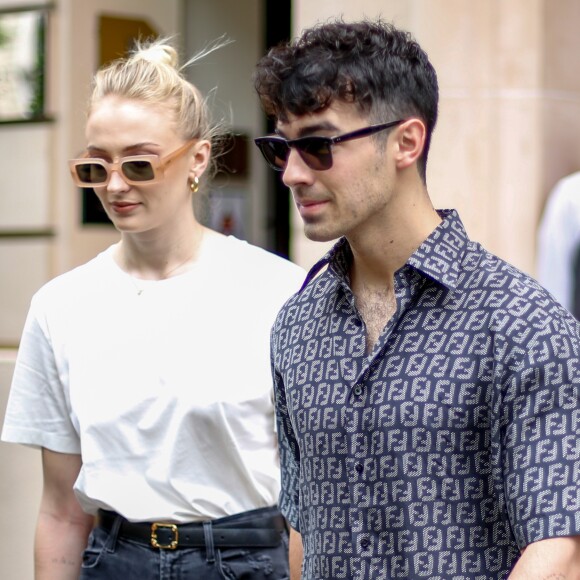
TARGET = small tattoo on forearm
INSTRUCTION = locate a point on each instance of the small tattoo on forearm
(63, 561)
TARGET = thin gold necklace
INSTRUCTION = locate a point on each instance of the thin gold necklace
(197, 246)
(166, 275)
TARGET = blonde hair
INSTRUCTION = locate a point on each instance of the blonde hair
(151, 73)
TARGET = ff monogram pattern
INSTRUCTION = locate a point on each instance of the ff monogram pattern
(451, 446)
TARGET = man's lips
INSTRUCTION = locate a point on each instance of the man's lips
(308, 207)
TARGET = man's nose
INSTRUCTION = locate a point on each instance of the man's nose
(296, 171)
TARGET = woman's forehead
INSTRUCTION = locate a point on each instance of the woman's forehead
(113, 105)
(117, 119)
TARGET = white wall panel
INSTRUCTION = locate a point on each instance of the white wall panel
(25, 176)
(24, 267)
(20, 488)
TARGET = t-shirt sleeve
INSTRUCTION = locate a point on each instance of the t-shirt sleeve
(38, 411)
(540, 413)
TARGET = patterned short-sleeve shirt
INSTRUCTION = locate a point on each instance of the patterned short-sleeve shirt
(454, 443)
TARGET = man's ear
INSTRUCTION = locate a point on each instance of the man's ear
(411, 137)
(200, 156)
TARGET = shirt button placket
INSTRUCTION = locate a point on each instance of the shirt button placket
(358, 458)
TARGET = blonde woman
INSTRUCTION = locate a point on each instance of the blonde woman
(144, 374)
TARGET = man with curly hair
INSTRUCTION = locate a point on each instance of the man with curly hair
(426, 391)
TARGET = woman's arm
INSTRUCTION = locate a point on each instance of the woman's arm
(63, 527)
(551, 559)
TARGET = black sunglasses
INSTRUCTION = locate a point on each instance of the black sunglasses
(315, 151)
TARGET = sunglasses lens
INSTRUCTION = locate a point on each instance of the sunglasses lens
(141, 170)
(91, 173)
(275, 152)
(316, 152)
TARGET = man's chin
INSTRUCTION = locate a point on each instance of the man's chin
(319, 235)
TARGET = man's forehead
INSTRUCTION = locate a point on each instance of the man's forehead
(333, 118)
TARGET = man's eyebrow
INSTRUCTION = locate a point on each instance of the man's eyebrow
(311, 129)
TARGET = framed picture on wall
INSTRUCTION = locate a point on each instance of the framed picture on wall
(117, 36)
(227, 211)
(23, 63)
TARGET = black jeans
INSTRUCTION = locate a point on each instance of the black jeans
(109, 556)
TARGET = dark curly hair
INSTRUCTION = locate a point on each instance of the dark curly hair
(372, 64)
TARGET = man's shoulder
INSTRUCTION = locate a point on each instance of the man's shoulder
(483, 268)
(315, 295)
(507, 292)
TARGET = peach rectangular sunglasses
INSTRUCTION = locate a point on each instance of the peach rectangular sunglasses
(135, 170)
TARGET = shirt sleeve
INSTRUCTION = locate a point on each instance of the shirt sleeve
(289, 501)
(38, 411)
(540, 412)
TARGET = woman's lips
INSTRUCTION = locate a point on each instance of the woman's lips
(123, 207)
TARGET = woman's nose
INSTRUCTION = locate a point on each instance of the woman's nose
(116, 181)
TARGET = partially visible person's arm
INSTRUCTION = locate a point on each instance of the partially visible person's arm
(557, 241)
(551, 559)
(63, 527)
(296, 554)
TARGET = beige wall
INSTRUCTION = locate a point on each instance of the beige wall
(509, 123)
(25, 205)
(20, 487)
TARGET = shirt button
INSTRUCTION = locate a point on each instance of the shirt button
(357, 391)
(357, 322)
(359, 467)
(364, 543)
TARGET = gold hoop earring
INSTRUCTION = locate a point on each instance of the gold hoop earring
(194, 185)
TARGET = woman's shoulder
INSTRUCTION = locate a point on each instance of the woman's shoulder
(252, 270)
(251, 257)
(80, 280)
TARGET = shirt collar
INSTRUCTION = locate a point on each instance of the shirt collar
(439, 257)
(441, 254)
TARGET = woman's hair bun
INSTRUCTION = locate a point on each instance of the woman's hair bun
(157, 52)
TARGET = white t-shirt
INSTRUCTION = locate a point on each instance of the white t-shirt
(167, 394)
(559, 239)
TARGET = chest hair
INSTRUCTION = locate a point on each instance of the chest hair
(376, 307)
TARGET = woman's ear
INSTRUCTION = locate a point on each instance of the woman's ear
(410, 142)
(200, 157)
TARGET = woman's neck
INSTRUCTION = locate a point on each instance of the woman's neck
(157, 257)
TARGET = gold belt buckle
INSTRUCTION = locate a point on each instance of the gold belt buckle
(173, 544)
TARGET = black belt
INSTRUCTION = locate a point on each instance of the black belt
(264, 532)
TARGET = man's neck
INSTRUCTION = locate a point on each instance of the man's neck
(378, 255)
(374, 263)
